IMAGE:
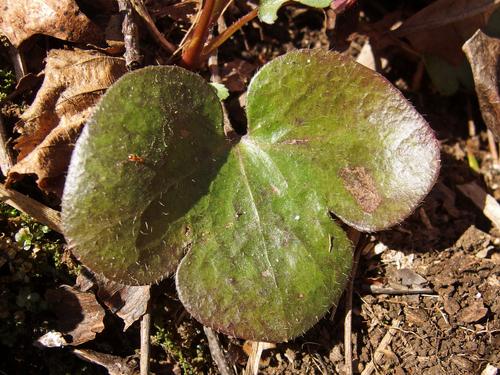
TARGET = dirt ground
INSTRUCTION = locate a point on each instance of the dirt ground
(426, 296)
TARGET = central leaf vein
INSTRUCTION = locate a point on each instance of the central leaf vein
(257, 217)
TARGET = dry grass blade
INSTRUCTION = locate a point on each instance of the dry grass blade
(254, 358)
(379, 353)
(143, 12)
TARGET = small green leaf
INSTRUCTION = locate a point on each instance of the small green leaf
(324, 134)
(268, 9)
(222, 91)
(142, 162)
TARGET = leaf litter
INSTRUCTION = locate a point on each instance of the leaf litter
(74, 81)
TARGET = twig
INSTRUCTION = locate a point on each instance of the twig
(484, 201)
(216, 352)
(17, 62)
(492, 145)
(6, 154)
(379, 353)
(226, 34)
(145, 328)
(254, 358)
(348, 306)
(130, 30)
(33, 208)
(392, 291)
(143, 12)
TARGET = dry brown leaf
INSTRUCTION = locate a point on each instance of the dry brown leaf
(442, 27)
(74, 81)
(21, 19)
(483, 54)
(80, 317)
(126, 301)
(114, 364)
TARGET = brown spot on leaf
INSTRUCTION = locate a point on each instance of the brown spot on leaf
(360, 183)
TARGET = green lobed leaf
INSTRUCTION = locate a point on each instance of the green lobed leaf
(265, 260)
(324, 134)
(268, 9)
(145, 158)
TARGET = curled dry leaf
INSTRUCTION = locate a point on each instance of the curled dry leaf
(441, 28)
(126, 301)
(21, 19)
(74, 81)
(80, 317)
(114, 364)
(483, 53)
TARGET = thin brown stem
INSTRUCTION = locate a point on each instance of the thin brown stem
(221, 38)
(6, 154)
(216, 352)
(41, 213)
(355, 235)
(191, 55)
(145, 328)
(139, 7)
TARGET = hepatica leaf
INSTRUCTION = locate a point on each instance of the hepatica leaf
(264, 259)
(324, 134)
(144, 160)
(268, 9)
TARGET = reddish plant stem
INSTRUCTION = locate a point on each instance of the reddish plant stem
(191, 55)
(221, 38)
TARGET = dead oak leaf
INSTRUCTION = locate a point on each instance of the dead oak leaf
(442, 27)
(80, 317)
(483, 53)
(21, 19)
(74, 82)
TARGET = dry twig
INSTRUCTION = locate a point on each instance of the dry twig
(6, 154)
(145, 328)
(139, 7)
(216, 352)
(33, 208)
(18, 62)
(355, 235)
(393, 291)
(379, 353)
